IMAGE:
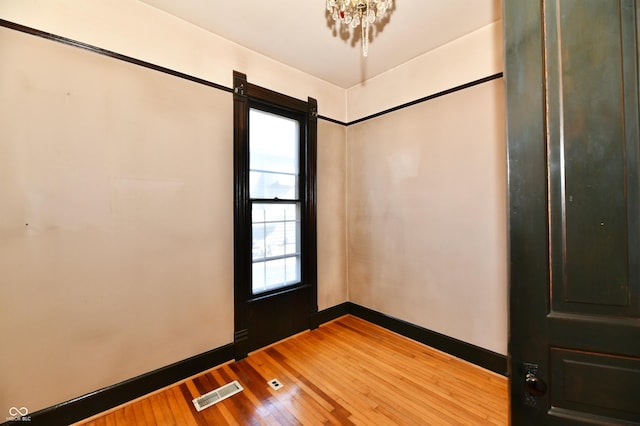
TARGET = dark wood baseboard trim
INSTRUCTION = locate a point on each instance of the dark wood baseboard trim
(481, 357)
(476, 355)
(329, 314)
(118, 394)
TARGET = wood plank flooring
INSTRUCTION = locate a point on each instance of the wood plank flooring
(346, 372)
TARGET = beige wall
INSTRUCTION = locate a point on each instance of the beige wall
(133, 28)
(427, 215)
(469, 58)
(129, 244)
(116, 223)
(332, 217)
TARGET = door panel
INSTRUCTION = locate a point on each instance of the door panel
(595, 383)
(593, 135)
(572, 99)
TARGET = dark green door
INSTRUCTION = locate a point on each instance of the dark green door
(573, 152)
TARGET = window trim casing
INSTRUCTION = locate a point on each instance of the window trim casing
(246, 95)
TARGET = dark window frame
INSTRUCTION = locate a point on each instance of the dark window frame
(246, 96)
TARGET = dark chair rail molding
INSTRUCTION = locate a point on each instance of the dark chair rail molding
(118, 56)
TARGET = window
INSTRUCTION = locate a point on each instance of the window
(274, 176)
(275, 217)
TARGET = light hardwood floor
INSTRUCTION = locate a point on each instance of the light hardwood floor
(345, 372)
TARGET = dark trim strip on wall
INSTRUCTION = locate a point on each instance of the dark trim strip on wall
(429, 97)
(332, 120)
(418, 101)
(474, 354)
(111, 54)
(329, 314)
(481, 357)
(104, 399)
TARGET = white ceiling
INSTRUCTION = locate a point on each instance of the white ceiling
(301, 34)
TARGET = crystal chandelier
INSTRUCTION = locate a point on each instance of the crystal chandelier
(359, 12)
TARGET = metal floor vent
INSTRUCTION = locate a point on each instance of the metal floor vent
(217, 395)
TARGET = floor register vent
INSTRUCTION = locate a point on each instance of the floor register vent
(217, 395)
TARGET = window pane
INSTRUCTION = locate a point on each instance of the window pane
(292, 238)
(292, 269)
(273, 274)
(273, 185)
(275, 230)
(275, 235)
(258, 277)
(273, 158)
(274, 212)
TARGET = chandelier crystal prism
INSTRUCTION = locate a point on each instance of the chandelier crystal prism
(359, 12)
